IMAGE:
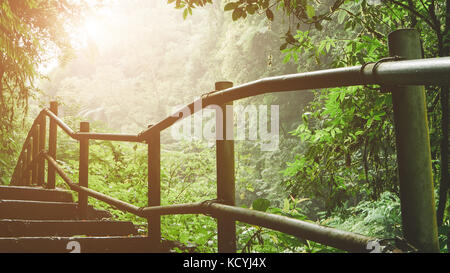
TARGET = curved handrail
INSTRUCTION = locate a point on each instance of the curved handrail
(71, 133)
(24, 147)
(407, 72)
(60, 123)
(95, 136)
(341, 239)
(410, 72)
(310, 231)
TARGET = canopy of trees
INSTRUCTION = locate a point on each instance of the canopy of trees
(336, 162)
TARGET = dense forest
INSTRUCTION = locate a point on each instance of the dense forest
(124, 65)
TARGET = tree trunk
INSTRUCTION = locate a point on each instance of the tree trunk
(444, 183)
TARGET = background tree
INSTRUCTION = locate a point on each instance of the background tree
(31, 33)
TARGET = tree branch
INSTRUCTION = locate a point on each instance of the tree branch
(415, 12)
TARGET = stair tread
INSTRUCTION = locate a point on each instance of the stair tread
(44, 210)
(35, 202)
(38, 220)
(31, 187)
(34, 228)
(101, 244)
(60, 221)
(35, 193)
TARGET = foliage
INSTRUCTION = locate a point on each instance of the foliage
(336, 165)
(341, 33)
(444, 235)
(29, 28)
(380, 218)
(31, 33)
(350, 149)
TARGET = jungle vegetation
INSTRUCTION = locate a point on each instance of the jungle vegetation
(123, 65)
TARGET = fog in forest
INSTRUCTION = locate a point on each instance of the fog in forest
(132, 66)
(327, 156)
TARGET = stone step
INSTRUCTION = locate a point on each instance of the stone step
(35, 194)
(39, 228)
(117, 244)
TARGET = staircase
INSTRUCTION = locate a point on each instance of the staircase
(34, 219)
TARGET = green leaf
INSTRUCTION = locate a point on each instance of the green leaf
(251, 9)
(287, 58)
(318, 26)
(185, 13)
(286, 205)
(310, 11)
(230, 6)
(237, 13)
(444, 230)
(261, 204)
(328, 47)
(341, 16)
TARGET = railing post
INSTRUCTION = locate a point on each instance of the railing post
(41, 164)
(154, 185)
(34, 169)
(83, 173)
(25, 177)
(52, 146)
(27, 165)
(19, 172)
(413, 151)
(226, 226)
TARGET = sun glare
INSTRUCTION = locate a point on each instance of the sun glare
(93, 28)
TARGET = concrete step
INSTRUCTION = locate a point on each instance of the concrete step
(39, 228)
(44, 210)
(117, 244)
(35, 194)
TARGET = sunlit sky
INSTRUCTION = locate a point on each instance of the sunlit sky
(96, 24)
(96, 28)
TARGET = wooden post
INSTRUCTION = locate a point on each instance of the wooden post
(25, 176)
(41, 164)
(34, 170)
(154, 186)
(52, 146)
(226, 226)
(413, 151)
(83, 174)
(20, 172)
(28, 160)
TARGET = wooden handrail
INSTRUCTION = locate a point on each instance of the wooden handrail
(346, 240)
(108, 137)
(429, 71)
(341, 239)
(60, 123)
(94, 136)
(408, 72)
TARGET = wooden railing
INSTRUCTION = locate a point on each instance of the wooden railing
(411, 132)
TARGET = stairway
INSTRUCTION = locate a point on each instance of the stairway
(34, 220)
